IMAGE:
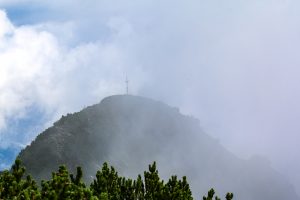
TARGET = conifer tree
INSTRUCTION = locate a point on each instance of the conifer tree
(211, 193)
(139, 188)
(12, 186)
(107, 181)
(153, 184)
(107, 186)
(63, 187)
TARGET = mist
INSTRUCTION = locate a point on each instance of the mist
(233, 65)
(130, 132)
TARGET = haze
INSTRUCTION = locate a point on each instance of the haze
(233, 65)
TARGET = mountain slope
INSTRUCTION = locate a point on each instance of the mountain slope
(131, 132)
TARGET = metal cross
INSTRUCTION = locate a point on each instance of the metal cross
(127, 82)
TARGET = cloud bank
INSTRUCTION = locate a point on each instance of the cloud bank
(39, 71)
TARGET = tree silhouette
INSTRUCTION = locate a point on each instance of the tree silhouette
(108, 185)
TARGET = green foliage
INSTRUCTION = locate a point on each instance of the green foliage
(108, 185)
(154, 187)
(65, 186)
(107, 182)
(13, 186)
(229, 196)
(178, 189)
(211, 193)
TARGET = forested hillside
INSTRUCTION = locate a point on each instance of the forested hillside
(130, 132)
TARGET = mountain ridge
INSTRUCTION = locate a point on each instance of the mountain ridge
(131, 132)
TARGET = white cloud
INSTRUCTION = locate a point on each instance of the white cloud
(36, 69)
(5, 26)
(22, 59)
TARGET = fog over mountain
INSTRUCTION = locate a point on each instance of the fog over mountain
(131, 132)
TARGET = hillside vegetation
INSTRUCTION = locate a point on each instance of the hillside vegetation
(107, 185)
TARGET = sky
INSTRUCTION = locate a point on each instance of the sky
(232, 64)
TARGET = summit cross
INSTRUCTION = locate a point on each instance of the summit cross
(127, 83)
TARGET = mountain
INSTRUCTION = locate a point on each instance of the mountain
(131, 132)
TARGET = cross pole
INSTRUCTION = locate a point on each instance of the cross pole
(127, 83)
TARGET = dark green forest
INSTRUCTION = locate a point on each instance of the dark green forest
(107, 185)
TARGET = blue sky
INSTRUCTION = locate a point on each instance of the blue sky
(24, 14)
(234, 65)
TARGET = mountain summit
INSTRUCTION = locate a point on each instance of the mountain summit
(130, 132)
